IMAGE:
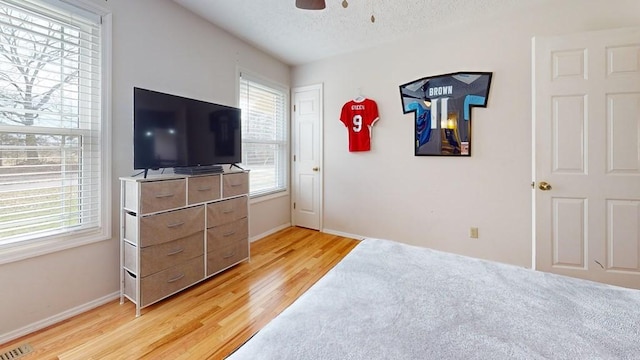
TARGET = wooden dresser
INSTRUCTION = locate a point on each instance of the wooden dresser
(179, 230)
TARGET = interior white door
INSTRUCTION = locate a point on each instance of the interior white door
(307, 157)
(587, 151)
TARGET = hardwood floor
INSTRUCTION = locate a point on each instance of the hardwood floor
(207, 321)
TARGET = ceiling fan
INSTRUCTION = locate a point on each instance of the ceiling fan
(315, 4)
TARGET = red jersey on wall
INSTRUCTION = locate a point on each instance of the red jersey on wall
(359, 116)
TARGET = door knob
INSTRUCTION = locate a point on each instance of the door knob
(544, 186)
(316, 169)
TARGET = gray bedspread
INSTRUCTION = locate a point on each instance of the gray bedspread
(387, 300)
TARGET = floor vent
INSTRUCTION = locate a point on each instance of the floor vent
(16, 353)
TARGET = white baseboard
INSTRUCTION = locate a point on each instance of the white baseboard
(58, 318)
(267, 233)
(327, 231)
(343, 234)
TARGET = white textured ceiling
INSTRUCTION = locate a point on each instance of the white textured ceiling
(302, 36)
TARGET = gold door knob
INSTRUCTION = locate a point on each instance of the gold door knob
(316, 169)
(544, 186)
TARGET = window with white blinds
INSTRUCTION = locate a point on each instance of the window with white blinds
(264, 135)
(50, 122)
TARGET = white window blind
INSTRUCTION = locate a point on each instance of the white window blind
(50, 122)
(264, 135)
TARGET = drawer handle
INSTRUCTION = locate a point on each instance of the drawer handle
(229, 255)
(175, 252)
(229, 211)
(175, 278)
(236, 185)
(204, 188)
(228, 234)
(175, 224)
(160, 196)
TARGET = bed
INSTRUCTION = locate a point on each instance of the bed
(387, 300)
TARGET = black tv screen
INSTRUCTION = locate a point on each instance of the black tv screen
(171, 131)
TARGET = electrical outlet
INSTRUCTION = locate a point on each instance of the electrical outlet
(473, 232)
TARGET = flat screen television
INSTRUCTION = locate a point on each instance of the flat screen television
(171, 131)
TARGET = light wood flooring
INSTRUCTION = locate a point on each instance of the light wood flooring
(207, 321)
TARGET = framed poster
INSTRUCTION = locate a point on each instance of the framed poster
(442, 107)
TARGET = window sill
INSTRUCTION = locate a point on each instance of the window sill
(28, 249)
(268, 196)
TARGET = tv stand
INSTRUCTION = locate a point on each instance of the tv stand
(145, 172)
(231, 166)
(177, 231)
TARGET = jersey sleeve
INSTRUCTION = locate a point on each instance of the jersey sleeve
(373, 116)
(344, 115)
(477, 98)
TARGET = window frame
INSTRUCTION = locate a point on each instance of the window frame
(46, 244)
(264, 195)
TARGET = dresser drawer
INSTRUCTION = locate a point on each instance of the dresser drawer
(171, 280)
(130, 285)
(130, 258)
(221, 259)
(161, 228)
(131, 227)
(228, 234)
(226, 211)
(162, 195)
(235, 184)
(203, 188)
(159, 257)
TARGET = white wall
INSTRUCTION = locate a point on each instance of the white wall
(156, 45)
(433, 201)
